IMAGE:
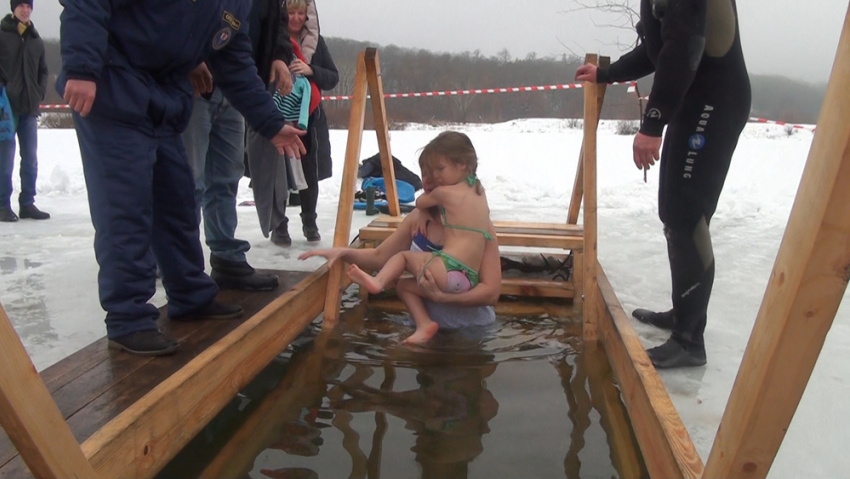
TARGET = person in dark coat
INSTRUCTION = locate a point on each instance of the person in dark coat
(701, 92)
(269, 178)
(125, 74)
(23, 72)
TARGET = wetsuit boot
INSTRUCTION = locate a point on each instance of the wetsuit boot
(663, 320)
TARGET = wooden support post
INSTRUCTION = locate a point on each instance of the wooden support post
(578, 184)
(591, 121)
(30, 416)
(379, 110)
(805, 289)
(346, 191)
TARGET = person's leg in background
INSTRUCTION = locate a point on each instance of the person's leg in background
(28, 138)
(310, 196)
(7, 166)
(215, 146)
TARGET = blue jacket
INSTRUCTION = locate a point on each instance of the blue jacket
(140, 53)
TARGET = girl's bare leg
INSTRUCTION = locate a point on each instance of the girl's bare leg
(407, 290)
(391, 271)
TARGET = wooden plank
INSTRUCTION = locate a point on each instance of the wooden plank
(665, 444)
(30, 416)
(392, 304)
(529, 287)
(501, 226)
(103, 392)
(578, 183)
(591, 121)
(143, 438)
(379, 111)
(369, 233)
(804, 292)
(346, 190)
(577, 278)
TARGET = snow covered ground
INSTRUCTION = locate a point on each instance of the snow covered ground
(48, 272)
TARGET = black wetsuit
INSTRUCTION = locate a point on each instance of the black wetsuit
(701, 91)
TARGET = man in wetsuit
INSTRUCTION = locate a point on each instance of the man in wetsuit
(701, 91)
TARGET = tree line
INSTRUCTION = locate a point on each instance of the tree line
(419, 70)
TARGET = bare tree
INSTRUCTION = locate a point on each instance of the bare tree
(618, 14)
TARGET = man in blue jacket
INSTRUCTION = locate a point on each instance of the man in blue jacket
(125, 73)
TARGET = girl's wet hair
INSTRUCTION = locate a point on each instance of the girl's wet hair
(455, 147)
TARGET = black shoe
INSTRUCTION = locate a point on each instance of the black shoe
(214, 310)
(31, 212)
(280, 236)
(7, 215)
(240, 275)
(311, 232)
(663, 320)
(673, 355)
(145, 343)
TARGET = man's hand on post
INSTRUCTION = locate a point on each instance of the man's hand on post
(587, 73)
(80, 95)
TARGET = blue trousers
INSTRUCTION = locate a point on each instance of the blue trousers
(215, 145)
(140, 196)
(28, 136)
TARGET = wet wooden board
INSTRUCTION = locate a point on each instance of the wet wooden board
(95, 384)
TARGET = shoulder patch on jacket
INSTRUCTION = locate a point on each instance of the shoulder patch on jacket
(231, 20)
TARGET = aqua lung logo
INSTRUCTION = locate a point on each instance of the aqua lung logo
(221, 38)
(697, 142)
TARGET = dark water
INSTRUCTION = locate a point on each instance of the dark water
(518, 400)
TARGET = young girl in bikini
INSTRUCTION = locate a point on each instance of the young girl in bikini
(451, 160)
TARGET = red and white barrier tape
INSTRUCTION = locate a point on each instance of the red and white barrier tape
(431, 94)
(782, 123)
(428, 94)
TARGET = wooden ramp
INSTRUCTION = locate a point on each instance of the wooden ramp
(95, 385)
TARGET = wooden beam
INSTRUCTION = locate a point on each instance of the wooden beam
(539, 288)
(30, 416)
(379, 110)
(591, 121)
(370, 233)
(500, 225)
(345, 210)
(578, 183)
(143, 438)
(803, 294)
(665, 444)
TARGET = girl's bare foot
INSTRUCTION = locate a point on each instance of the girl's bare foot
(364, 279)
(423, 334)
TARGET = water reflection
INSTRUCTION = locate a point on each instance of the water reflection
(354, 403)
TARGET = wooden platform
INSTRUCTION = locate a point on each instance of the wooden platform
(94, 385)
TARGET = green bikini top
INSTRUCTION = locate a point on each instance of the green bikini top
(471, 180)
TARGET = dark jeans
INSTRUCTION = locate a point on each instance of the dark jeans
(215, 145)
(28, 136)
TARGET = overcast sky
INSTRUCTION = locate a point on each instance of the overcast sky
(795, 38)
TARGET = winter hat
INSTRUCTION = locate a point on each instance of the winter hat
(15, 3)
